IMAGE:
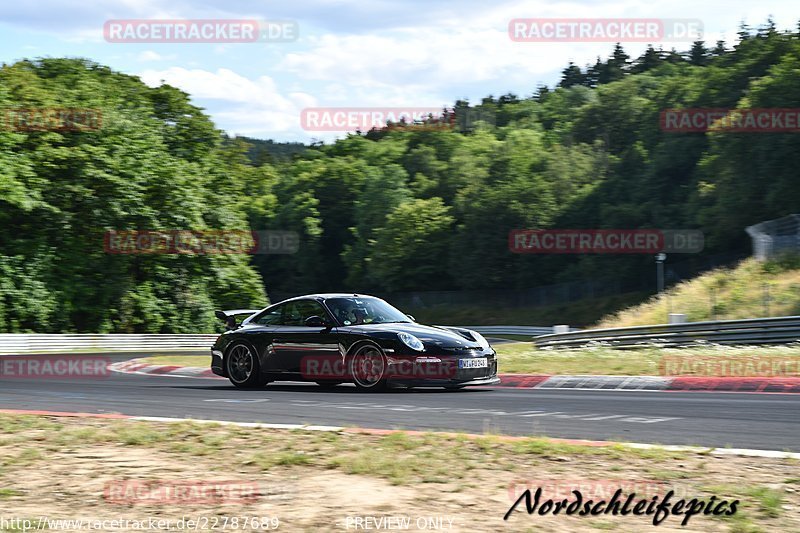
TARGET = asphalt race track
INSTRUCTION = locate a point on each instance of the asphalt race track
(762, 421)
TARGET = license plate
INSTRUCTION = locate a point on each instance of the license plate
(478, 362)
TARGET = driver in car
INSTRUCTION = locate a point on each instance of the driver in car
(360, 315)
(351, 314)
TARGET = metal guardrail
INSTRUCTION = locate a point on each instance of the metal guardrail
(13, 343)
(509, 330)
(784, 329)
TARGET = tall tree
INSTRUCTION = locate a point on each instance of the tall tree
(698, 55)
(649, 60)
(571, 76)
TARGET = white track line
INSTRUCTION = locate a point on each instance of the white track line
(260, 425)
(772, 454)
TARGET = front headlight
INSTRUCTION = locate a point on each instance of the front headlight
(411, 341)
(483, 342)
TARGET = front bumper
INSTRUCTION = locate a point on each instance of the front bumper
(445, 373)
(488, 380)
(216, 363)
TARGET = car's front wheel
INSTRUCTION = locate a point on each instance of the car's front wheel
(368, 367)
(243, 368)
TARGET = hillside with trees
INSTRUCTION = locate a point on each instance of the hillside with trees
(157, 163)
(395, 209)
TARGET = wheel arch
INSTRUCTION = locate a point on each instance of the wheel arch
(361, 342)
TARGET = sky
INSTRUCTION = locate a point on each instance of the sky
(349, 53)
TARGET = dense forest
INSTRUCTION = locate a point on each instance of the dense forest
(400, 208)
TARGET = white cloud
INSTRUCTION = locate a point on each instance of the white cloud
(150, 55)
(243, 105)
(352, 53)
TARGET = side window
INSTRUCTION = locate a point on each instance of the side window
(271, 317)
(295, 313)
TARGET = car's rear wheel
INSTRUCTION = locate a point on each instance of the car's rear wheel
(368, 367)
(243, 368)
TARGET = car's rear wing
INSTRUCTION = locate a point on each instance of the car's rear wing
(229, 316)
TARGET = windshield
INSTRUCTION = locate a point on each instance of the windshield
(355, 311)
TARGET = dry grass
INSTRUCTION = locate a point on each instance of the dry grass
(722, 294)
(313, 480)
(203, 361)
(525, 358)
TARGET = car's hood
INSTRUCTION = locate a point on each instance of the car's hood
(429, 335)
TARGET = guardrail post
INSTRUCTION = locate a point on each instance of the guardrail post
(677, 318)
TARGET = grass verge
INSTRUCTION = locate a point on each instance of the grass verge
(203, 361)
(751, 289)
(648, 361)
(327, 476)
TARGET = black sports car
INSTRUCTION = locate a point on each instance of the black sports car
(336, 338)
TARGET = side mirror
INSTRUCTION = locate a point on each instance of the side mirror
(316, 322)
(411, 317)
